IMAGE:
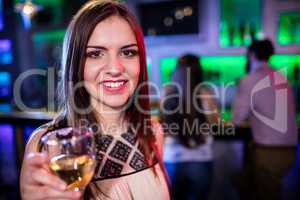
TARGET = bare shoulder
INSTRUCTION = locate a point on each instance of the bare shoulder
(34, 140)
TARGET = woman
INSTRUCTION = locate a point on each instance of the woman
(188, 149)
(104, 74)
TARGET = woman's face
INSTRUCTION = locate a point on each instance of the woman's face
(112, 66)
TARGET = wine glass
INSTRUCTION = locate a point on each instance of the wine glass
(72, 155)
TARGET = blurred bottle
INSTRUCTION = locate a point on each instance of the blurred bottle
(293, 27)
(247, 35)
(253, 31)
(231, 34)
(242, 31)
(224, 36)
(297, 33)
(237, 40)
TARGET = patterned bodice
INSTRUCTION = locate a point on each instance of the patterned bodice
(118, 156)
(121, 156)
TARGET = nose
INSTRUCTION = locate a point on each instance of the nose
(114, 66)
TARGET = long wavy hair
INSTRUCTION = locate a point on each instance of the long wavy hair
(73, 61)
(188, 75)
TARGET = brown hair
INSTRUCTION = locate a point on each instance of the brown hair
(73, 60)
(188, 75)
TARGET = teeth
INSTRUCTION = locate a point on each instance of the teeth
(113, 84)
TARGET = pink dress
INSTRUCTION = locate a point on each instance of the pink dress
(123, 174)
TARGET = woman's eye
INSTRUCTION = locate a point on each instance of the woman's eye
(129, 53)
(95, 54)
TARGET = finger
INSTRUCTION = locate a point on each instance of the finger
(63, 199)
(55, 194)
(59, 199)
(41, 176)
(79, 198)
(36, 159)
(44, 192)
(46, 167)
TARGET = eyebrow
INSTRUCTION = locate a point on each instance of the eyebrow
(104, 48)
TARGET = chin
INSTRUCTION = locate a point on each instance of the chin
(116, 105)
(115, 102)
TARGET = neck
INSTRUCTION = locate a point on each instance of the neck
(263, 63)
(258, 64)
(112, 120)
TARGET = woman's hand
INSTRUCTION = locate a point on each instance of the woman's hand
(37, 183)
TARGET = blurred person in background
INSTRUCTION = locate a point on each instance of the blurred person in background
(265, 98)
(188, 150)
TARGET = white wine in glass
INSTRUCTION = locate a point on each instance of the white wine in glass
(72, 155)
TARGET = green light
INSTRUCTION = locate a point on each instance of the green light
(283, 36)
(148, 65)
(226, 115)
(286, 62)
(215, 68)
(237, 38)
(44, 2)
(247, 41)
(167, 67)
(289, 28)
(298, 118)
(240, 19)
(224, 39)
(49, 35)
(227, 69)
(49, 3)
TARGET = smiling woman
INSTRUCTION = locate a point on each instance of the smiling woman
(112, 64)
(104, 76)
